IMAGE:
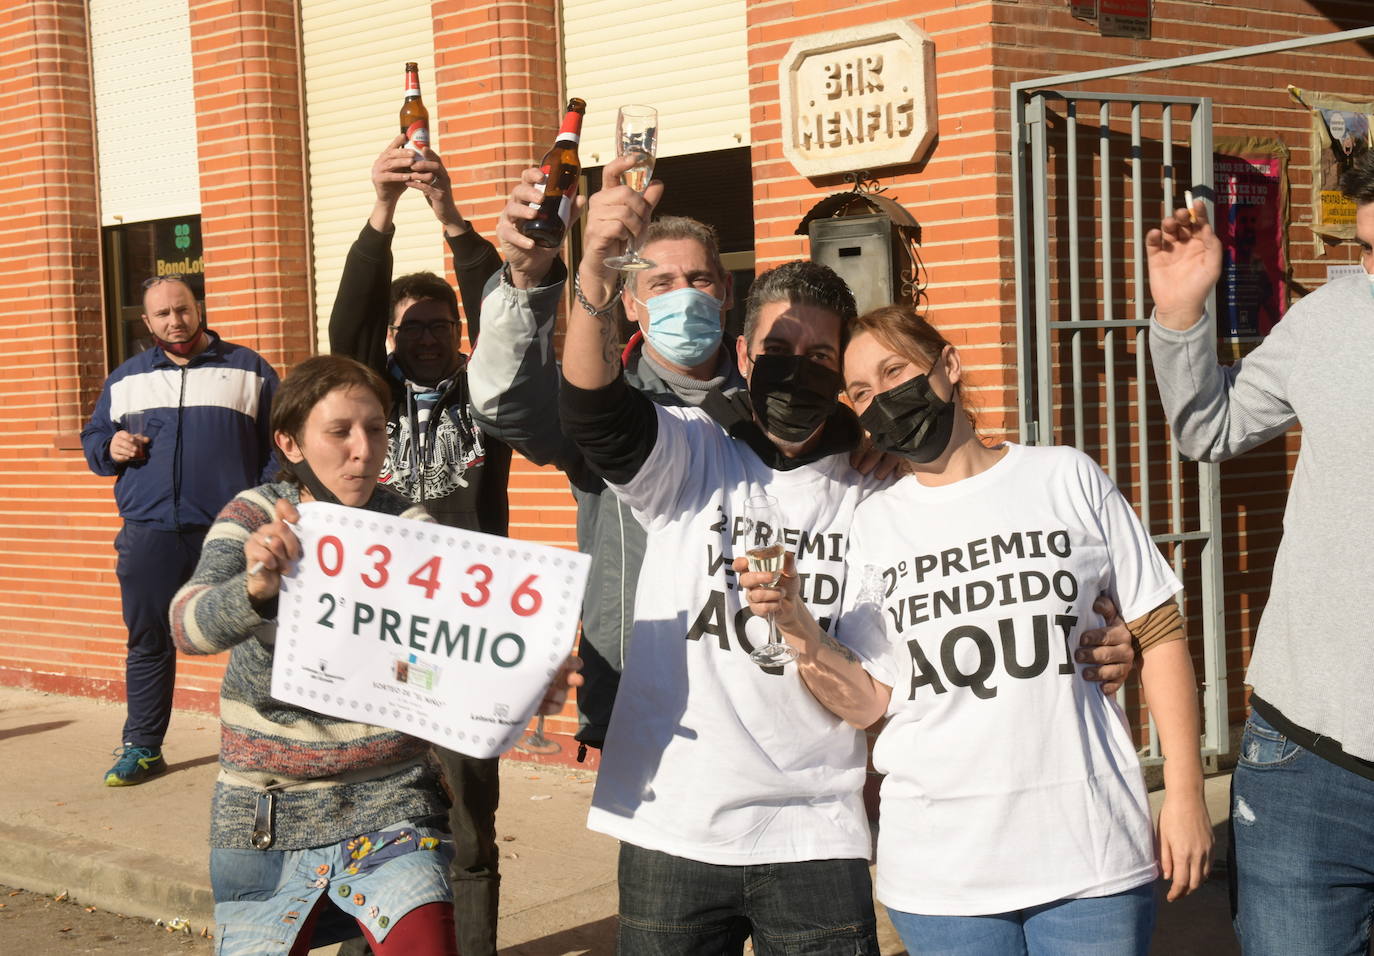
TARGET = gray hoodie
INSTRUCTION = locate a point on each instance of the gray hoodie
(1312, 659)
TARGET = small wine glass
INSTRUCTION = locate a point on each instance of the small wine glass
(767, 552)
(636, 134)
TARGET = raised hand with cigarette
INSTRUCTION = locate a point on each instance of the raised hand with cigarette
(268, 552)
(1184, 261)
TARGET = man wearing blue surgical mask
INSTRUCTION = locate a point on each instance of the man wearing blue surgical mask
(680, 303)
(676, 358)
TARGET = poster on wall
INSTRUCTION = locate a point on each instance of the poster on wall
(1083, 9)
(1340, 133)
(1124, 18)
(1251, 218)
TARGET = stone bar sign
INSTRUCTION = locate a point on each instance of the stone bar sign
(858, 98)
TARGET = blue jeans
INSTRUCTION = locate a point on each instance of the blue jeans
(1302, 857)
(1116, 925)
(670, 906)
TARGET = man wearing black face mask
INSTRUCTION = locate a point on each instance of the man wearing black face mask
(183, 427)
(716, 771)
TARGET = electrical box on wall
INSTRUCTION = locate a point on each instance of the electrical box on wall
(860, 250)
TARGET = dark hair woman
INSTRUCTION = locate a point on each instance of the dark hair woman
(319, 824)
(1014, 815)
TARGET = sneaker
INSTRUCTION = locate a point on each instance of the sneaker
(135, 765)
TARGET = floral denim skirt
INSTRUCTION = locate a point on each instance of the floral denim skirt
(263, 897)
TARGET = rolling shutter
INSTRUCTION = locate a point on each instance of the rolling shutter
(355, 53)
(145, 111)
(686, 58)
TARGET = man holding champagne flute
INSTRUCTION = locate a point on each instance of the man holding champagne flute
(677, 359)
(737, 799)
(717, 772)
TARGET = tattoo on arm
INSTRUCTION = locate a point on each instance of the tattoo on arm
(838, 648)
(610, 346)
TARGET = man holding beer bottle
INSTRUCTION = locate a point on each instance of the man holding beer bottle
(409, 331)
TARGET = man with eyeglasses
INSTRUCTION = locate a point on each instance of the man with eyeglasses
(409, 330)
(182, 427)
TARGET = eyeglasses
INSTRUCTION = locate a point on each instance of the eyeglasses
(438, 328)
(169, 277)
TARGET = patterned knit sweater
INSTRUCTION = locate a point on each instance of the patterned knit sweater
(331, 778)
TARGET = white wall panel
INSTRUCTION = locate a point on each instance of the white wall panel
(355, 53)
(686, 58)
(144, 110)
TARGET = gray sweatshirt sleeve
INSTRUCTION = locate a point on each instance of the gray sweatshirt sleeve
(1218, 412)
(513, 375)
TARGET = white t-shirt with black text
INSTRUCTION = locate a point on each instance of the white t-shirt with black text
(1011, 781)
(708, 756)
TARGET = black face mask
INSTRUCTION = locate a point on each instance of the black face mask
(306, 478)
(792, 395)
(910, 420)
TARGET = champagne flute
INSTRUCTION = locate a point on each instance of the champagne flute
(766, 552)
(636, 134)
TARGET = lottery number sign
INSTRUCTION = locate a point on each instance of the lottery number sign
(445, 634)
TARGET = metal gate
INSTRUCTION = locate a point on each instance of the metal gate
(1093, 172)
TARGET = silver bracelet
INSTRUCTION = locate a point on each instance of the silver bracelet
(605, 310)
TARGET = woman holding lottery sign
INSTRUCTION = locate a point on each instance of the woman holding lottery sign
(1014, 817)
(320, 826)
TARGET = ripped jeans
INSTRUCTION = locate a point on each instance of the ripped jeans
(1302, 857)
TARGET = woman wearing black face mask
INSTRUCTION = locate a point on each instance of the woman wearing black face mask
(1014, 816)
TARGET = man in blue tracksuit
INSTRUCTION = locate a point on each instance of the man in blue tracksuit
(184, 426)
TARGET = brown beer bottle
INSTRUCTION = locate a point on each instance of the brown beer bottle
(414, 116)
(561, 169)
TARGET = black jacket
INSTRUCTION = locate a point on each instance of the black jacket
(462, 480)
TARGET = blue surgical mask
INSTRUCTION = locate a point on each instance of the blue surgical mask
(684, 325)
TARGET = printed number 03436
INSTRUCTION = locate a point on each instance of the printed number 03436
(475, 592)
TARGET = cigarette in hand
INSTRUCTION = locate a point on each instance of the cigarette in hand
(261, 566)
(1188, 201)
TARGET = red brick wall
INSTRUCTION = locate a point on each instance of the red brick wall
(252, 182)
(253, 215)
(1249, 99)
(965, 226)
(63, 628)
(962, 195)
(59, 625)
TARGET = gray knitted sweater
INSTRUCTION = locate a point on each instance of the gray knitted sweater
(1312, 658)
(332, 779)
